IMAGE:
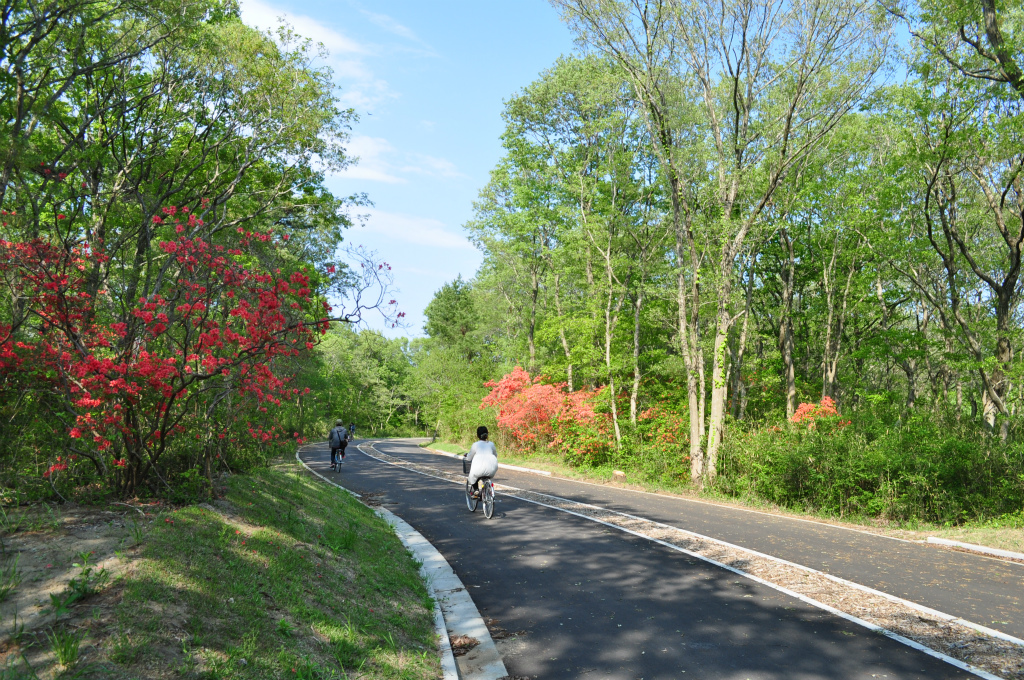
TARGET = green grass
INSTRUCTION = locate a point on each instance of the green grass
(294, 580)
(446, 447)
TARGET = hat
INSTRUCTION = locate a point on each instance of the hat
(339, 421)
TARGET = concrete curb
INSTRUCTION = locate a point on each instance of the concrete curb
(980, 549)
(461, 617)
(500, 465)
(408, 536)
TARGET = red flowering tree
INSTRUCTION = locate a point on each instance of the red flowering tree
(532, 411)
(133, 376)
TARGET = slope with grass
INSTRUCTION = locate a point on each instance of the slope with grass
(282, 578)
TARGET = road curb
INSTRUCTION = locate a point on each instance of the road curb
(980, 549)
(460, 615)
(408, 536)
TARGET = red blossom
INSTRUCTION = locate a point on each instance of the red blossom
(809, 413)
(156, 362)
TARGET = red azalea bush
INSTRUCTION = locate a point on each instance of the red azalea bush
(533, 413)
(526, 407)
(810, 414)
(132, 378)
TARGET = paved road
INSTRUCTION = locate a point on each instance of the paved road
(592, 602)
(983, 590)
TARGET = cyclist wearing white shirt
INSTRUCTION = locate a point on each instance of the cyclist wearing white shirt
(483, 457)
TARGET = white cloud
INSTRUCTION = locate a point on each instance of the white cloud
(372, 164)
(361, 89)
(265, 17)
(422, 231)
(381, 162)
(431, 165)
(391, 26)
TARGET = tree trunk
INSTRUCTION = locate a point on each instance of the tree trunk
(786, 326)
(534, 294)
(688, 302)
(716, 423)
(737, 356)
(561, 331)
(635, 391)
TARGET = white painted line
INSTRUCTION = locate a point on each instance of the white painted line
(803, 598)
(448, 669)
(899, 638)
(871, 591)
(983, 549)
(303, 463)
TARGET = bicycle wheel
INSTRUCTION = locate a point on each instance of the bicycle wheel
(488, 494)
(471, 502)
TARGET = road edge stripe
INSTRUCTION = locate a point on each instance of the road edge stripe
(972, 547)
(1006, 637)
(821, 605)
(501, 466)
(985, 630)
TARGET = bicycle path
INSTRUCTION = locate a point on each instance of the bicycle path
(586, 601)
(983, 590)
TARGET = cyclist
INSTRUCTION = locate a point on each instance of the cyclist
(483, 457)
(337, 441)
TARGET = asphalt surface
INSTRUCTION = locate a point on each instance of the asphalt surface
(587, 601)
(980, 589)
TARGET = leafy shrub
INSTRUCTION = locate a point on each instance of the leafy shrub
(191, 486)
(925, 468)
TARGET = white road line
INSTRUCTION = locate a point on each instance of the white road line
(985, 550)
(501, 466)
(849, 617)
(711, 503)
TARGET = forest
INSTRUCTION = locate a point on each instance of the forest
(767, 250)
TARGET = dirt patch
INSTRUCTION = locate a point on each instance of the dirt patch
(67, 563)
(102, 540)
(373, 499)
(499, 633)
(462, 644)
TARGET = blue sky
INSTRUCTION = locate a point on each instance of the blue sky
(428, 80)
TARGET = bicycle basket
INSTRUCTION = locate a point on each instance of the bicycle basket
(465, 466)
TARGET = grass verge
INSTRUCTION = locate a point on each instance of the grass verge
(446, 447)
(1006, 535)
(285, 577)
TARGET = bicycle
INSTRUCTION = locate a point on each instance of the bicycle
(486, 494)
